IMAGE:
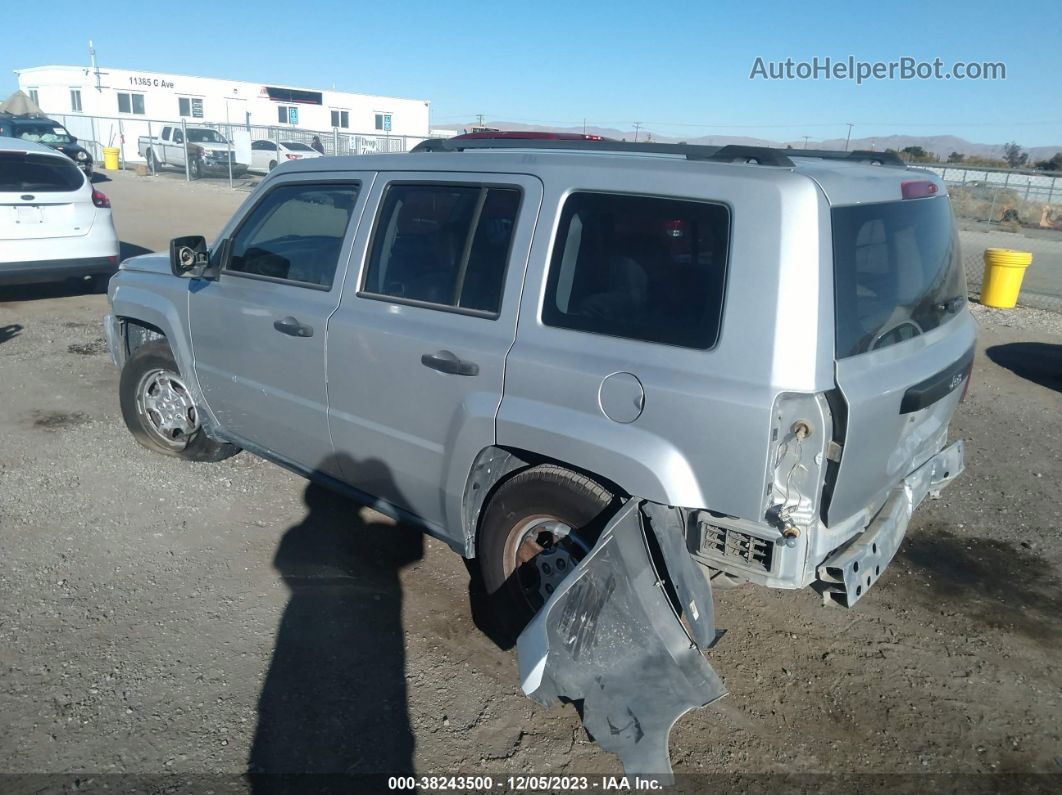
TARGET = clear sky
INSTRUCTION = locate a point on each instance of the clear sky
(680, 68)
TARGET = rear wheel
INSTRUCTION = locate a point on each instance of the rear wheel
(158, 408)
(153, 162)
(272, 164)
(536, 528)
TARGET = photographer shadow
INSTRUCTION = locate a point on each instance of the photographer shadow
(333, 713)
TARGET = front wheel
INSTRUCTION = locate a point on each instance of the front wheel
(536, 528)
(158, 409)
(195, 168)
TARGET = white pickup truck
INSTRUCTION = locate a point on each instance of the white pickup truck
(207, 151)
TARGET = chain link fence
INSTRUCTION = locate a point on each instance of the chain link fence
(124, 133)
(999, 208)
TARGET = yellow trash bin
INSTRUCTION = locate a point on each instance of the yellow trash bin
(110, 157)
(1004, 270)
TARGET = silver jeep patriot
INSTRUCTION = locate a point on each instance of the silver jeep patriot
(614, 374)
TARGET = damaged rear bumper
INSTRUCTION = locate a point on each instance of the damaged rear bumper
(624, 633)
(845, 576)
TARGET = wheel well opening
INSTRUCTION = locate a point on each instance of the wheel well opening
(138, 333)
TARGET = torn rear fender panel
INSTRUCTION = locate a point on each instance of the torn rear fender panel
(623, 636)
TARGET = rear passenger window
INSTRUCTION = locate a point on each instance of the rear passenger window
(639, 267)
(443, 244)
(295, 234)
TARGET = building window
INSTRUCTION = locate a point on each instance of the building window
(287, 114)
(340, 118)
(33, 96)
(383, 122)
(190, 106)
(75, 100)
(130, 103)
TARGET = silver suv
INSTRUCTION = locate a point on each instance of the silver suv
(614, 374)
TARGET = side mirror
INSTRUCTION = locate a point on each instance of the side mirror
(73, 139)
(189, 255)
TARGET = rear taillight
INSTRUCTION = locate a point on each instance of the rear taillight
(100, 199)
(291, 157)
(918, 189)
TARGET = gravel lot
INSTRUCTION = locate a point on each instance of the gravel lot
(164, 617)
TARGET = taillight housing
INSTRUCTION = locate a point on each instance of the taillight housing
(291, 157)
(918, 189)
(100, 199)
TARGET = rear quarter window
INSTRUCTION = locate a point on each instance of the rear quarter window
(38, 174)
(639, 267)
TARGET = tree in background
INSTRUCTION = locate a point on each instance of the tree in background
(1014, 156)
(956, 157)
(916, 154)
(1052, 164)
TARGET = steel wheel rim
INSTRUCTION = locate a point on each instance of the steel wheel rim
(541, 551)
(165, 403)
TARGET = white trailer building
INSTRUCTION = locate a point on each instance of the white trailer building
(115, 106)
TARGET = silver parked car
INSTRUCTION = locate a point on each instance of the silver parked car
(614, 374)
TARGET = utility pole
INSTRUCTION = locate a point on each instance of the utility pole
(805, 137)
(637, 127)
(95, 68)
(584, 125)
(479, 119)
(849, 138)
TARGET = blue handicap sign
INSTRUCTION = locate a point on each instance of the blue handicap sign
(293, 115)
(387, 122)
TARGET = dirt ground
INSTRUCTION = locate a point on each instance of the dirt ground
(164, 617)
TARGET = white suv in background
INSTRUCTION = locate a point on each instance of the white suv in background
(53, 224)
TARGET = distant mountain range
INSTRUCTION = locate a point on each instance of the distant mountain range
(941, 145)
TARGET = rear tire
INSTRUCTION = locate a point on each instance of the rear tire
(535, 529)
(158, 409)
(153, 162)
(272, 164)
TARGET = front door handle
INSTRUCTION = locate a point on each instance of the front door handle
(292, 327)
(448, 362)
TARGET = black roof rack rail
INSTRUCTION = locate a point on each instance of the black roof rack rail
(733, 153)
(761, 155)
(858, 156)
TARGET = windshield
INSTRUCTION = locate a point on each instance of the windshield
(897, 272)
(38, 173)
(44, 132)
(296, 147)
(206, 137)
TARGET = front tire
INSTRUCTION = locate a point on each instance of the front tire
(195, 168)
(537, 526)
(158, 409)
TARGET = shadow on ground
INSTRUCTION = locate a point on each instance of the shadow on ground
(9, 331)
(1002, 585)
(1039, 362)
(333, 705)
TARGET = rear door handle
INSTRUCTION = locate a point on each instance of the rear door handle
(292, 327)
(448, 362)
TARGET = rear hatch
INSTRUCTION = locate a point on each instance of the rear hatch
(43, 196)
(904, 342)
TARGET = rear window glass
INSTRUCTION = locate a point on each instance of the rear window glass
(897, 272)
(38, 173)
(297, 147)
(639, 267)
